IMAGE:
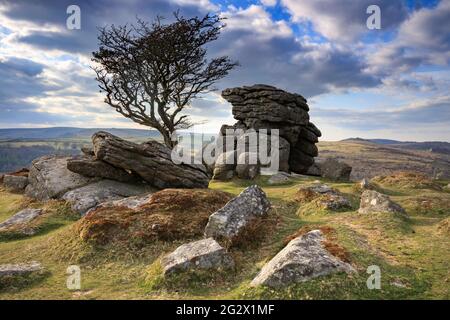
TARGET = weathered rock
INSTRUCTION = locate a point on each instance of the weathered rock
(88, 197)
(314, 170)
(151, 161)
(225, 166)
(7, 270)
(299, 161)
(50, 178)
(229, 221)
(248, 165)
(257, 142)
(15, 183)
(303, 259)
(373, 201)
(335, 170)
(205, 254)
(279, 178)
(90, 167)
(18, 222)
(88, 151)
(262, 107)
(166, 215)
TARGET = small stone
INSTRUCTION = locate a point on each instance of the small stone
(204, 254)
(373, 201)
(279, 178)
(303, 259)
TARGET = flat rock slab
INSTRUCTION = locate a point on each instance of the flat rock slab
(228, 221)
(85, 198)
(373, 201)
(49, 178)
(19, 269)
(204, 254)
(22, 217)
(303, 259)
(279, 178)
(15, 183)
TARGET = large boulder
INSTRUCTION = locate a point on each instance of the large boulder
(373, 201)
(15, 183)
(229, 221)
(89, 167)
(205, 254)
(167, 215)
(335, 170)
(225, 166)
(49, 178)
(18, 223)
(88, 197)
(303, 259)
(248, 166)
(151, 161)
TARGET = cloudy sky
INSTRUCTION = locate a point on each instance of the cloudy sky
(388, 83)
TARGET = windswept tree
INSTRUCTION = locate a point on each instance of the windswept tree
(150, 72)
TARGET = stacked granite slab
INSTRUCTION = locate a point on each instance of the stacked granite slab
(266, 107)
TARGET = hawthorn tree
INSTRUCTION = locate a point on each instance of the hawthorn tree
(150, 72)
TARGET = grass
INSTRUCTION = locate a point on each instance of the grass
(412, 253)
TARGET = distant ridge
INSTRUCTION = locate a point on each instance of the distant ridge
(432, 146)
(72, 132)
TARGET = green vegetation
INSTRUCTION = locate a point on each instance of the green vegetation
(412, 253)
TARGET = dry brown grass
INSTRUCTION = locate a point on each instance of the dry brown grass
(407, 179)
(444, 226)
(168, 215)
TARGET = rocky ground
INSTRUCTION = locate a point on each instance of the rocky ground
(313, 242)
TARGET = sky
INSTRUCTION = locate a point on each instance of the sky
(391, 82)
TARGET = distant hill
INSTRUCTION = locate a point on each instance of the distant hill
(70, 132)
(432, 146)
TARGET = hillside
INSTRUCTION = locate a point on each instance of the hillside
(71, 133)
(369, 159)
(432, 146)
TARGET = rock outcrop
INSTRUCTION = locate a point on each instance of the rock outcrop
(151, 161)
(373, 201)
(88, 197)
(49, 178)
(263, 107)
(205, 254)
(229, 221)
(304, 258)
